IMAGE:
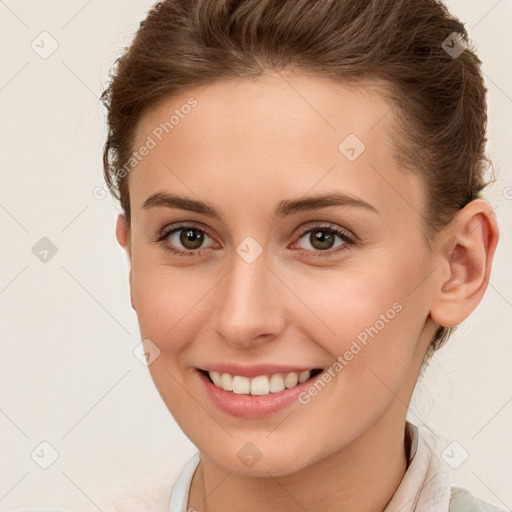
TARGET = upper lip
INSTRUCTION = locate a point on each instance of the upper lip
(255, 370)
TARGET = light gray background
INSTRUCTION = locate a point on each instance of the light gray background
(68, 375)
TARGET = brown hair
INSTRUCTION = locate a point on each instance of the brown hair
(439, 98)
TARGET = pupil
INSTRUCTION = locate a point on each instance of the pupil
(324, 238)
(191, 239)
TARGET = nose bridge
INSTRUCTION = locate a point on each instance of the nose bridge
(248, 302)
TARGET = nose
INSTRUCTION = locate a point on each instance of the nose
(250, 308)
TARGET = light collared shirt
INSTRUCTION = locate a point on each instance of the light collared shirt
(425, 486)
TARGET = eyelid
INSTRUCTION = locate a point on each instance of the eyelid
(164, 233)
(167, 230)
(347, 237)
(349, 240)
(328, 226)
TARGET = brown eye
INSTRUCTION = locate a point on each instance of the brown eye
(186, 240)
(321, 239)
(191, 238)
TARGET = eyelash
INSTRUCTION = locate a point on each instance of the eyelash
(349, 240)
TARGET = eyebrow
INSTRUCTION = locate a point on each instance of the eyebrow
(284, 208)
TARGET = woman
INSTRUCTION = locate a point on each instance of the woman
(300, 189)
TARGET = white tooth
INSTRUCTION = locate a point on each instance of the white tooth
(260, 385)
(291, 380)
(276, 383)
(241, 385)
(303, 376)
(226, 382)
(216, 377)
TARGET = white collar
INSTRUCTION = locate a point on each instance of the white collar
(424, 488)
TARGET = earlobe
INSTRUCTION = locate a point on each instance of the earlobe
(123, 232)
(124, 240)
(465, 263)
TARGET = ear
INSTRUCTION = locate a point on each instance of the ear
(123, 232)
(465, 263)
(124, 239)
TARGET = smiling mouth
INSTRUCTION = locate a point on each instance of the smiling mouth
(260, 385)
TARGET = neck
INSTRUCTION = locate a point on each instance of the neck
(362, 476)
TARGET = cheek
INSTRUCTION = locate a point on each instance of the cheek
(170, 309)
(375, 332)
(368, 330)
(371, 316)
(166, 303)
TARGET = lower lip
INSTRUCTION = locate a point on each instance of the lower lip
(253, 406)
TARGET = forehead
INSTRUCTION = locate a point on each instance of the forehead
(281, 131)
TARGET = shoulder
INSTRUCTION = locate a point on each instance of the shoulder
(462, 500)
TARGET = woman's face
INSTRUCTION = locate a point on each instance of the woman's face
(278, 280)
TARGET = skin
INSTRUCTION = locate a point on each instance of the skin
(246, 146)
